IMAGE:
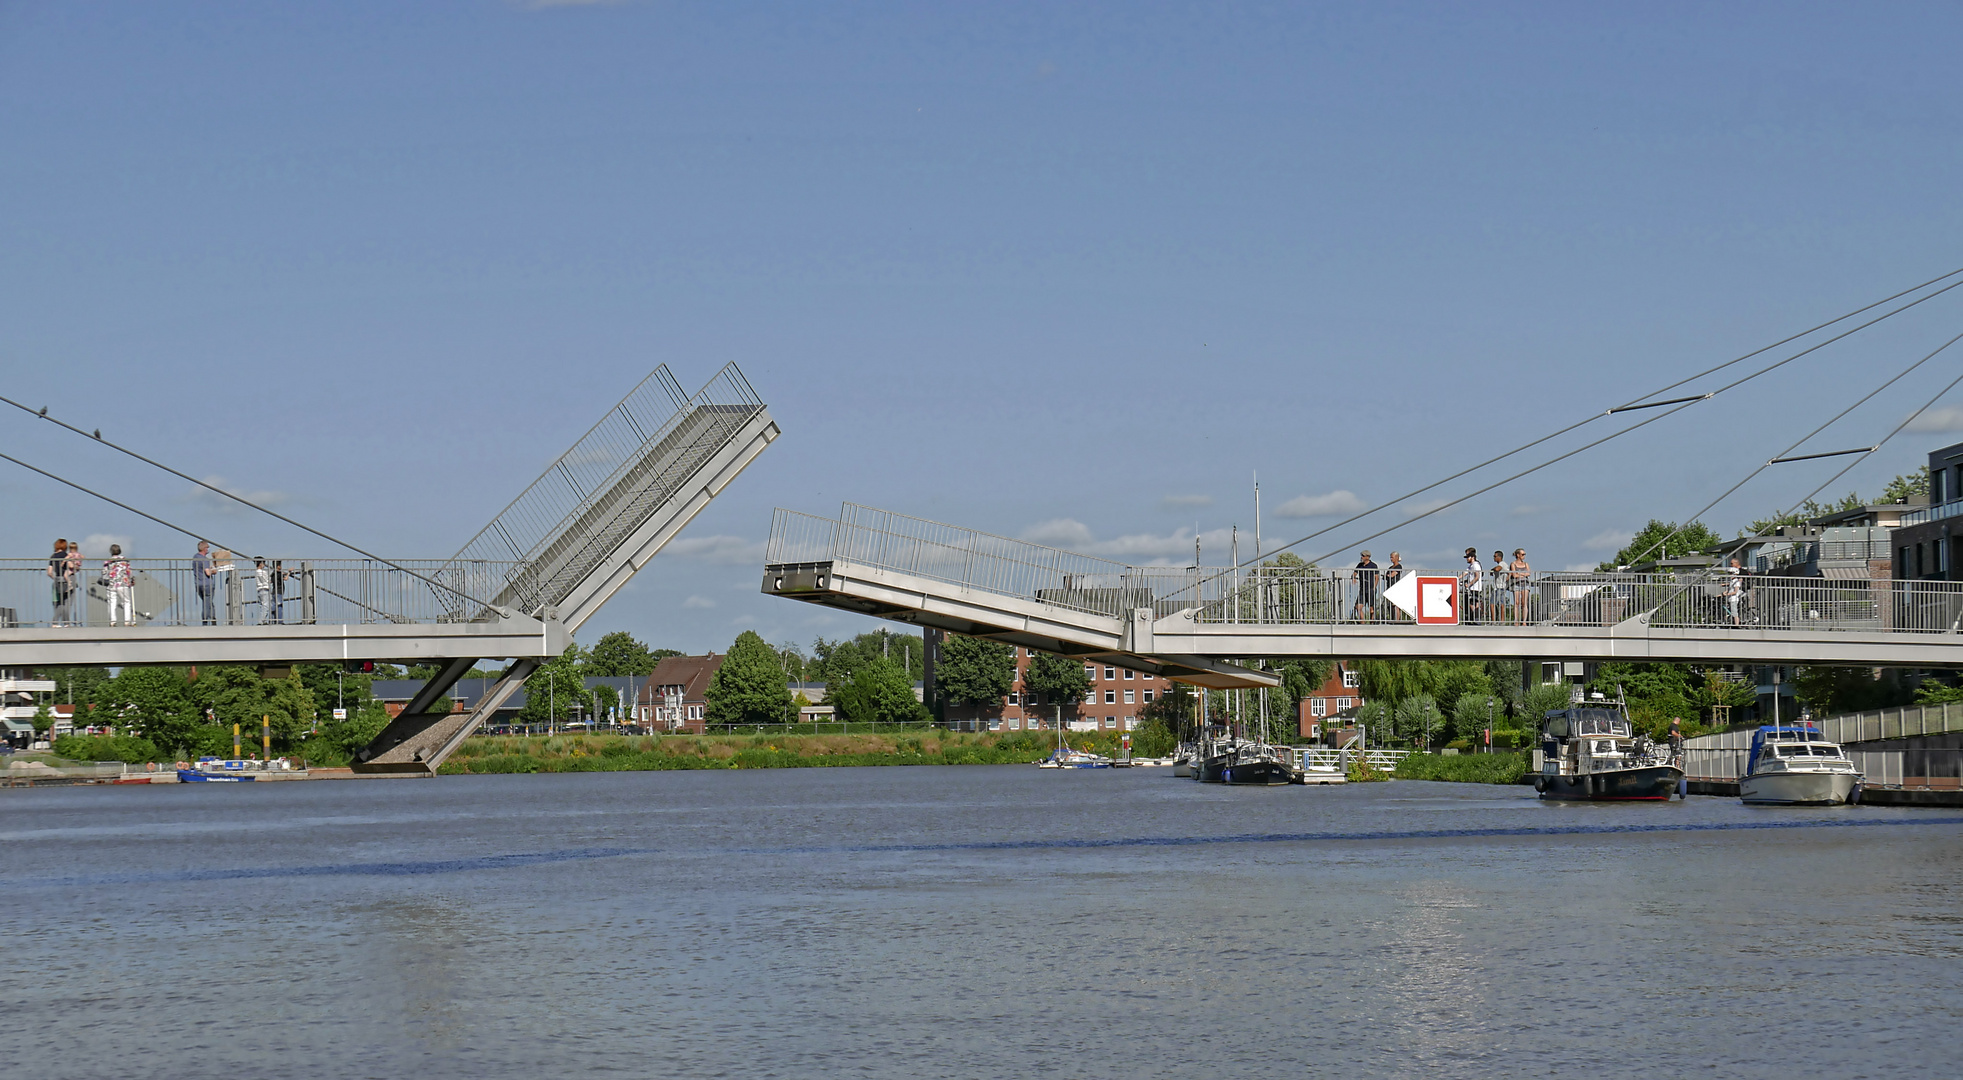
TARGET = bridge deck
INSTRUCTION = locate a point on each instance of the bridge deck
(1185, 621)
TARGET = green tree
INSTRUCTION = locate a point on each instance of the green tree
(154, 702)
(749, 686)
(553, 689)
(620, 653)
(1417, 720)
(977, 671)
(1663, 540)
(1831, 690)
(1908, 487)
(1301, 677)
(236, 694)
(76, 684)
(839, 659)
(1472, 711)
(1058, 680)
(878, 692)
(1174, 709)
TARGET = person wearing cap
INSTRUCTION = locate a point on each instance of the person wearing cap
(1471, 585)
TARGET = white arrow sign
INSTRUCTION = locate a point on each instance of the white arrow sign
(1425, 598)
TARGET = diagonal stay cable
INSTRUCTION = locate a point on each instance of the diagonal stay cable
(1910, 419)
(107, 499)
(1636, 403)
(97, 437)
(1508, 480)
(1801, 441)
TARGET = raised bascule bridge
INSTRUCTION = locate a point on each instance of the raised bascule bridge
(1192, 623)
(516, 592)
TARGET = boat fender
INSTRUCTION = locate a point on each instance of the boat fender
(1683, 787)
(1854, 796)
(1540, 784)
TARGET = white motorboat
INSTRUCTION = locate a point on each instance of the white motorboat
(1794, 766)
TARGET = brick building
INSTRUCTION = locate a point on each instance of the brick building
(1116, 697)
(676, 695)
(1341, 693)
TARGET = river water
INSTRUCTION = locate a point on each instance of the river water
(966, 921)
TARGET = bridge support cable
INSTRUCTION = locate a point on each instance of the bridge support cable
(1635, 404)
(1782, 456)
(96, 436)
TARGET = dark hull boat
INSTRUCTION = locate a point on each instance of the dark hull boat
(1256, 773)
(1590, 752)
(1656, 782)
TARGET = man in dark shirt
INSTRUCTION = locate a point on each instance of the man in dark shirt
(1365, 580)
(201, 572)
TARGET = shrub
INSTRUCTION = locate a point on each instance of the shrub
(1465, 768)
(129, 749)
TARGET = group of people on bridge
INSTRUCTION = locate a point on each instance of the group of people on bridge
(1498, 593)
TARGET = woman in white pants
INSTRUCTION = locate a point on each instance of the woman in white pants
(122, 585)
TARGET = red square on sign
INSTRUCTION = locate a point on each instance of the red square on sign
(1438, 600)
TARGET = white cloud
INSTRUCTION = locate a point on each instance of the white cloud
(698, 602)
(725, 550)
(212, 501)
(96, 545)
(1580, 567)
(1418, 509)
(1335, 502)
(1608, 540)
(1181, 502)
(1145, 549)
(1949, 418)
(1059, 532)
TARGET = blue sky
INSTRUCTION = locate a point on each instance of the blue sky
(1070, 272)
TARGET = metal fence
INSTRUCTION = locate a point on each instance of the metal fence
(590, 500)
(1274, 594)
(168, 592)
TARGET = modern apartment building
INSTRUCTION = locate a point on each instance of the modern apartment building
(1925, 540)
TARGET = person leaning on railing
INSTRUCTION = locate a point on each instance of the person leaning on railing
(1519, 573)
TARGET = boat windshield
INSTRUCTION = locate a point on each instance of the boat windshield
(1806, 750)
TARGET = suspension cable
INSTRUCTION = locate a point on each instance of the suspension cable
(96, 436)
(1781, 455)
(1635, 403)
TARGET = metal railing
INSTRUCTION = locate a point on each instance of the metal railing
(1273, 594)
(167, 592)
(1938, 512)
(592, 499)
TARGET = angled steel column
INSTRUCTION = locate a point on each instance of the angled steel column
(424, 750)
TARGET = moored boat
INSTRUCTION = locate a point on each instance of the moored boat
(1245, 762)
(1794, 766)
(1591, 752)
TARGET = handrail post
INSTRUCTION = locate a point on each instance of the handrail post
(308, 611)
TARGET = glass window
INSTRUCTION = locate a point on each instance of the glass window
(1090, 696)
(1014, 698)
(1110, 673)
(1148, 695)
(1129, 674)
(1319, 706)
(994, 723)
(1128, 696)
(1110, 697)
(1090, 671)
(1350, 680)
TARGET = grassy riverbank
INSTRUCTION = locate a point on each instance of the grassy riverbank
(1465, 768)
(614, 753)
